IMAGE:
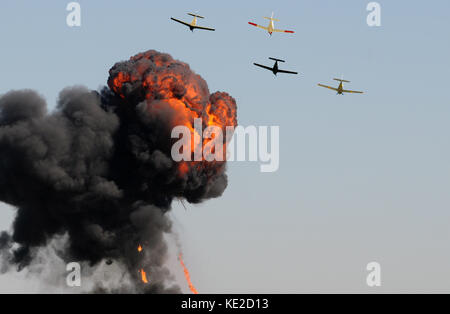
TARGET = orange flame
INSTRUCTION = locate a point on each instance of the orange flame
(143, 276)
(188, 277)
(142, 271)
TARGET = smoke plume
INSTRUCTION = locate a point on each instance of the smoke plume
(98, 169)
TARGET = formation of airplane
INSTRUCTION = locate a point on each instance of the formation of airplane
(271, 27)
(275, 69)
(193, 25)
(340, 89)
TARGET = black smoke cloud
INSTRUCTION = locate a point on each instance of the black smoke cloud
(98, 169)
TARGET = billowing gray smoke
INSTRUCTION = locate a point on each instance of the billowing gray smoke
(99, 171)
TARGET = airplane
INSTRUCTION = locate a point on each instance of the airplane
(275, 68)
(193, 24)
(340, 89)
(271, 28)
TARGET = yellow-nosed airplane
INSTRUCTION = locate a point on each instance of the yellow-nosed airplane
(340, 89)
(193, 24)
(271, 28)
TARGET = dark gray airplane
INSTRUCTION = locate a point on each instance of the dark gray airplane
(193, 25)
(275, 69)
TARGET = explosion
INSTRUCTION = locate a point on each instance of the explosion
(167, 89)
(98, 170)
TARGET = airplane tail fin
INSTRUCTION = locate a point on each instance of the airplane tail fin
(275, 59)
(195, 15)
(341, 80)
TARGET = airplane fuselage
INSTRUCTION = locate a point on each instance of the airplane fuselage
(275, 68)
(271, 27)
(340, 89)
(193, 23)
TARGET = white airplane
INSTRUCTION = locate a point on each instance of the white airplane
(271, 28)
(193, 24)
(340, 89)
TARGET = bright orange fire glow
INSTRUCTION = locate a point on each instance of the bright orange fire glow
(142, 271)
(188, 277)
(143, 276)
(119, 80)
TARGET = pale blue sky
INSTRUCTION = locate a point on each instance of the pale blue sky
(362, 177)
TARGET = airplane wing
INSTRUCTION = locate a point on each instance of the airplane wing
(266, 28)
(352, 91)
(184, 23)
(288, 72)
(263, 66)
(282, 31)
(321, 85)
(204, 28)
